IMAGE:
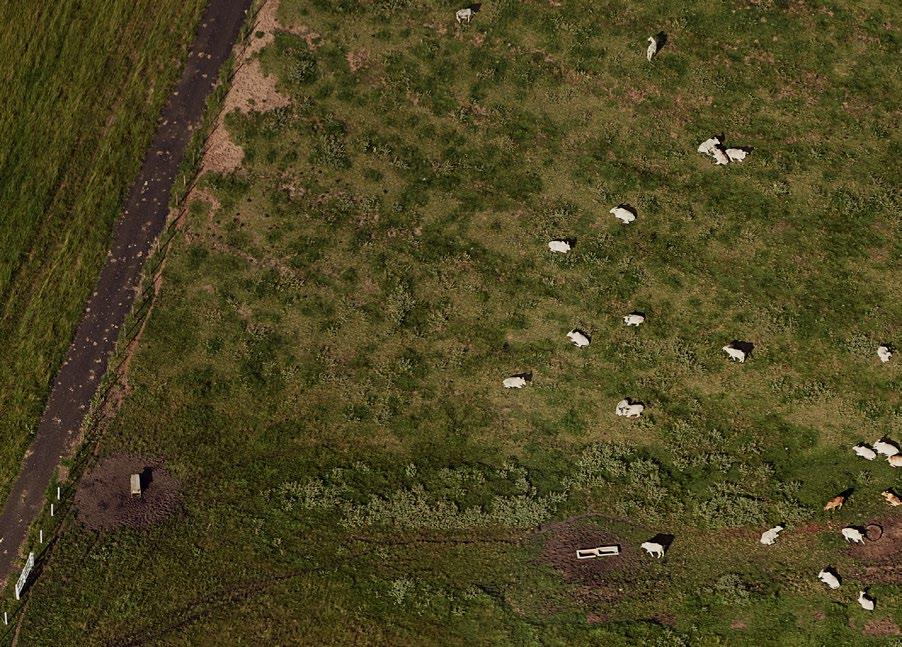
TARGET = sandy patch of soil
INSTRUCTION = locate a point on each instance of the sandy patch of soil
(266, 23)
(223, 155)
(104, 501)
(251, 89)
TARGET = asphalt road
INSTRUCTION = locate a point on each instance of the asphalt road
(133, 234)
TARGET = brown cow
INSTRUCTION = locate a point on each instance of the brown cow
(835, 503)
(891, 498)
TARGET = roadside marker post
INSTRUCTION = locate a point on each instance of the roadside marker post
(57, 492)
(41, 536)
(51, 509)
(5, 618)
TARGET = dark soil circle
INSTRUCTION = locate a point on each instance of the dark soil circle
(104, 501)
(873, 531)
(563, 539)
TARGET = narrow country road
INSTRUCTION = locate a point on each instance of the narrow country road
(133, 236)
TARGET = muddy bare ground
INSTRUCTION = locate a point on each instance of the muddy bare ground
(104, 501)
(881, 627)
(881, 558)
(602, 578)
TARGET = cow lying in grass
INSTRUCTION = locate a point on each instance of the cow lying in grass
(829, 577)
(768, 537)
(629, 410)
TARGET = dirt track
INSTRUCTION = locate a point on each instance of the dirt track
(133, 234)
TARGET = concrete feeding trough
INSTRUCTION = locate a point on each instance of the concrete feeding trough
(136, 484)
(599, 551)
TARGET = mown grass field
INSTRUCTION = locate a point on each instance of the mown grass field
(81, 86)
(322, 370)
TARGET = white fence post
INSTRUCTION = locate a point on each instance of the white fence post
(57, 492)
(51, 509)
(41, 536)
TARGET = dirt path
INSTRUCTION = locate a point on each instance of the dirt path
(133, 234)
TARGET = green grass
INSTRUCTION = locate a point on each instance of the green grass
(82, 87)
(322, 368)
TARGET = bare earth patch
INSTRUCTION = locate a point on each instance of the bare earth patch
(881, 557)
(357, 59)
(599, 578)
(251, 90)
(104, 501)
(881, 627)
(223, 155)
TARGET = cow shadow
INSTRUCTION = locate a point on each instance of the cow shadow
(664, 539)
(745, 346)
(660, 40)
(631, 402)
(146, 478)
(628, 207)
(845, 494)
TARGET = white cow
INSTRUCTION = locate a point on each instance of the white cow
(884, 353)
(735, 353)
(624, 408)
(559, 246)
(709, 145)
(885, 448)
(633, 319)
(829, 579)
(736, 154)
(895, 461)
(464, 14)
(865, 452)
(624, 215)
(866, 601)
(652, 48)
(720, 157)
(768, 537)
(579, 339)
(654, 549)
(515, 382)
(853, 535)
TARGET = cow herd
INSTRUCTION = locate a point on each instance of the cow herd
(736, 351)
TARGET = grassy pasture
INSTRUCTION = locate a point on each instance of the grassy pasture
(81, 87)
(322, 369)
